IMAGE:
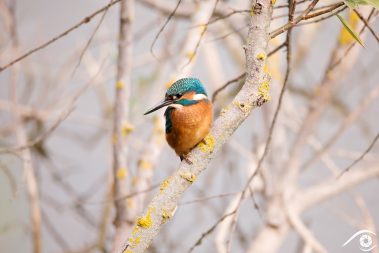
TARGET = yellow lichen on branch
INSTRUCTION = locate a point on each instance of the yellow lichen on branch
(114, 139)
(207, 144)
(188, 176)
(164, 185)
(120, 85)
(264, 90)
(145, 221)
(121, 173)
(145, 164)
(167, 214)
(190, 55)
(266, 69)
(223, 127)
(134, 241)
(261, 56)
(127, 128)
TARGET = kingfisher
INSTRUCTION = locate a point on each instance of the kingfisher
(188, 115)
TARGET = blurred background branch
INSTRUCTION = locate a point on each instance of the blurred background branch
(79, 162)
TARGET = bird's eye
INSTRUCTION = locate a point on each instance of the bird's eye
(174, 97)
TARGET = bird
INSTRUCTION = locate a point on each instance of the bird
(188, 115)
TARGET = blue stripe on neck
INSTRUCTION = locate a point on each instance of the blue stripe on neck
(186, 102)
(167, 115)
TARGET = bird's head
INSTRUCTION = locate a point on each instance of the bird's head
(184, 92)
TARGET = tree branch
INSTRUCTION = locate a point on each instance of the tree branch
(252, 94)
(121, 127)
(329, 188)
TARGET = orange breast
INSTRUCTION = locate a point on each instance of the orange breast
(190, 124)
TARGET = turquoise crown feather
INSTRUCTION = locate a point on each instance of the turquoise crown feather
(185, 85)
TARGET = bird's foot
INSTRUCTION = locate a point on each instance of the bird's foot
(204, 141)
(185, 158)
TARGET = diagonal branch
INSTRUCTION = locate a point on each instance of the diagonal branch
(303, 231)
(292, 23)
(331, 187)
(252, 95)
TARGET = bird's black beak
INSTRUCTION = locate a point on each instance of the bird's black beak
(159, 106)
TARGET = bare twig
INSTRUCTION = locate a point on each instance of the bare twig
(243, 75)
(285, 27)
(63, 115)
(21, 137)
(331, 14)
(340, 59)
(324, 11)
(54, 232)
(367, 25)
(166, 7)
(61, 35)
(368, 149)
(11, 178)
(90, 40)
(207, 198)
(351, 117)
(303, 231)
(209, 231)
(331, 187)
(163, 27)
(236, 79)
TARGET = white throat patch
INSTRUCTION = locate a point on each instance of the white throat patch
(177, 106)
(199, 97)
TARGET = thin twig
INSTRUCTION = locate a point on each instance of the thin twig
(332, 14)
(316, 11)
(243, 75)
(163, 27)
(54, 232)
(349, 119)
(61, 35)
(210, 230)
(11, 178)
(368, 149)
(286, 5)
(327, 10)
(207, 198)
(367, 25)
(289, 25)
(236, 79)
(90, 40)
(204, 30)
(63, 115)
(339, 61)
(21, 137)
